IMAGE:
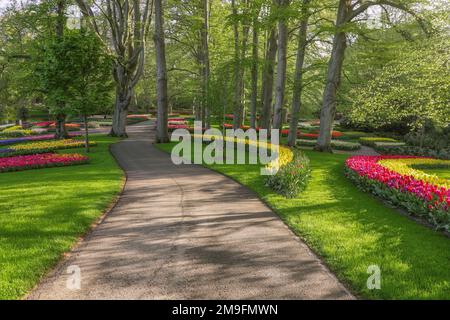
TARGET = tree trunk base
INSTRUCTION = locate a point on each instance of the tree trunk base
(323, 149)
(113, 134)
(165, 140)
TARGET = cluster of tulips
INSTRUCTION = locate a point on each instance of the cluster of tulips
(44, 160)
(43, 137)
(42, 147)
(404, 188)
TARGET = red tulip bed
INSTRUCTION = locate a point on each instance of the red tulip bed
(45, 160)
(418, 197)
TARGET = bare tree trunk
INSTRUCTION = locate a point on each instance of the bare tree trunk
(280, 84)
(128, 22)
(298, 78)
(162, 135)
(60, 123)
(86, 132)
(206, 64)
(119, 123)
(333, 79)
(255, 58)
(239, 56)
(237, 120)
(267, 90)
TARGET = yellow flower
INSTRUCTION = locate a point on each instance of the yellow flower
(405, 167)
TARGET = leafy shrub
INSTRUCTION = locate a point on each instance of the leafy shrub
(335, 144)
(432, 137)
(292, 178)
(414, 151)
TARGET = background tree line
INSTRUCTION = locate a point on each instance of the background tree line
(379, 64)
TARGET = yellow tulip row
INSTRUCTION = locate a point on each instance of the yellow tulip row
(405, 167)
(285, 154)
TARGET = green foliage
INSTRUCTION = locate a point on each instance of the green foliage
(74, 73)
(291, 179)
(413, 88)
(414, 151)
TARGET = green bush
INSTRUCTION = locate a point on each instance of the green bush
(292, 178)
(335, 144)
(414, 151)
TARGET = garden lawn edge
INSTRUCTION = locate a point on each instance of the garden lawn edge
(87, 233)
(298, 236)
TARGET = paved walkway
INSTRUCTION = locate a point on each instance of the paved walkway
(185, 232)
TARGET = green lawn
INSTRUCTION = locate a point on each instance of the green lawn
(443, 173)
(43, 212)
(352, 230)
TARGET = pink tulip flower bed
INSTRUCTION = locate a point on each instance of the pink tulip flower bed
(44, 160)
(418, 197)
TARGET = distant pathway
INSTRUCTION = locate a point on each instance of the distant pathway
(365, 151)
(186, 232)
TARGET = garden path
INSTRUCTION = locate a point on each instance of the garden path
(186, 232)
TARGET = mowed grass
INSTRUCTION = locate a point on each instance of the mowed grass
(351, 231)
(443, 173)
(43, 212)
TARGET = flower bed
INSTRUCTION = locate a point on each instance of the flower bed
(293, 168)
(45, 160)
(33, 138)
(14, 132)
(405, 166)
(42, 147)
(44, 124)
(292, 178)
(402, 189)
(335, 144)
(313, 136)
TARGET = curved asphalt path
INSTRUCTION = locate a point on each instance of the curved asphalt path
(186, 232)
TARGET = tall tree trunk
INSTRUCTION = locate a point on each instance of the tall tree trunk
(86, 133)
(280, 84)
(237, 87)
(206, 64)
(239, 55)
(267, 87)
(298, 78)
(123, 100)
(128, 22)
(60, 123)
(333, 78)
(162, 135)
(255, 58)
